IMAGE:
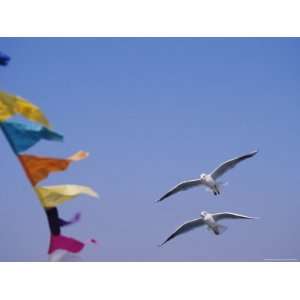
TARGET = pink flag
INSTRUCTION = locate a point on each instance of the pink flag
(60, 242)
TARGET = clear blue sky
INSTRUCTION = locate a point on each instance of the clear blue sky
(153, 112)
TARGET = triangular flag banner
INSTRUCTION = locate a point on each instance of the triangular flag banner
(38, 168)
(64, 256)
(75, 219)
(51, 196)
(60, 242)
(4, 59)
(23, 136)
(11, 105)
(55, 222)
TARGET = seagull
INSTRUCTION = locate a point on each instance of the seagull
(208, 180)
(208, 219)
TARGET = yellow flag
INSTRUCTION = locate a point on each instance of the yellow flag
(51, 196)
(11, 105)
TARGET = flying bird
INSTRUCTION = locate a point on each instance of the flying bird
(208, 219)
(208, 180)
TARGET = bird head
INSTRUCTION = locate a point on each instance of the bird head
(202, 176)
(203, 213)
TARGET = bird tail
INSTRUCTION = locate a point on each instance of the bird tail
(221, 185)
(220, 229)
(207, 189)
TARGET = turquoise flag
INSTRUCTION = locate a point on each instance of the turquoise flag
(23, 136)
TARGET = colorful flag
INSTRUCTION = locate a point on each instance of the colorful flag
(4, 59)
(75, 219)
(52, 196)
(60, 242)
(55, 222)
(11, 105)
(38, 168)
(23, 136)
(64, 256)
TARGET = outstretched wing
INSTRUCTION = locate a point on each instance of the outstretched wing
(218, 172)
(229, 215)
(185, 228)
(185, 185)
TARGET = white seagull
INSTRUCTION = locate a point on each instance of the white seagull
(208, 219)
(208, 180)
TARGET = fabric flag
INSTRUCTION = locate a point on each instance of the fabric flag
(64, 256)
(38, 168)
(75, 219)
(11, 105)
(51, 196)
(60, 242)
(55, 222)
(23, 136)
(4, 59)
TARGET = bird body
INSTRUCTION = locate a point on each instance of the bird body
(211, 223)
(208, 219)
(211, 183)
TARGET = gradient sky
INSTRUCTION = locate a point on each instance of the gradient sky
(153, 112)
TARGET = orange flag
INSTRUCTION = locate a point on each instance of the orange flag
(38, 168)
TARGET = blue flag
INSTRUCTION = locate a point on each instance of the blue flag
(22, 136)
(4, 59)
